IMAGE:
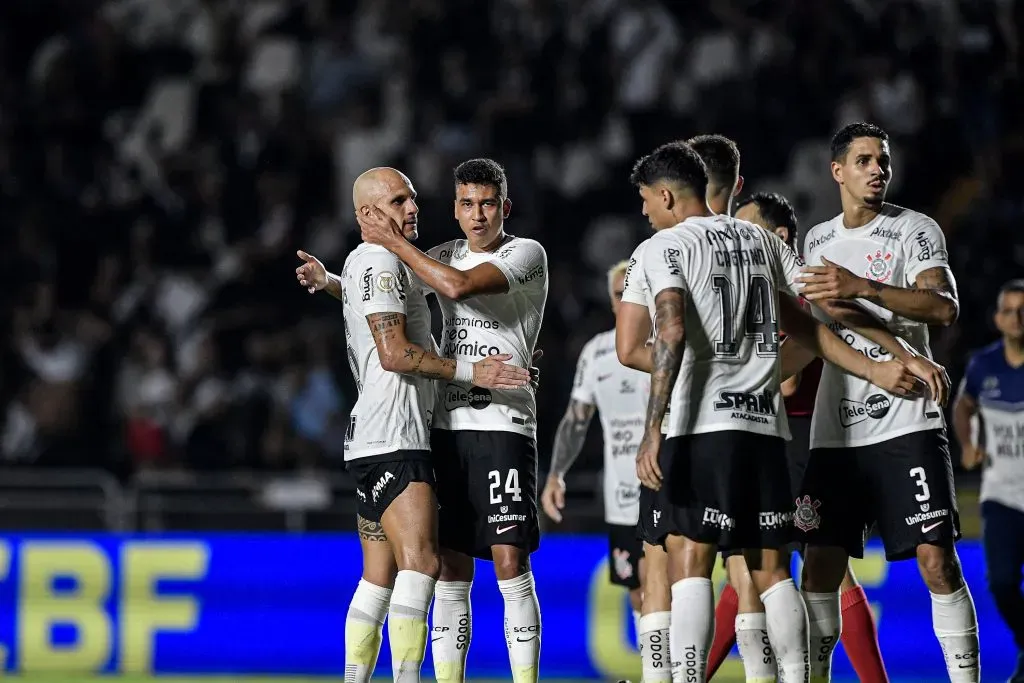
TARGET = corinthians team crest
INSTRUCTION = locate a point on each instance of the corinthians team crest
(806, 516)
(879, 266)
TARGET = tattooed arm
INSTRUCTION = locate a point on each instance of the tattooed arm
(398, 354)
(569, 438)
(933, 300)
(333, 285)
(669, 342)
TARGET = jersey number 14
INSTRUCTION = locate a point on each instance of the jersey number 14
(759, 320)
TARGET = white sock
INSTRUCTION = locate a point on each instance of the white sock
(787, 630)
(956, 626)
(452, 630)
(693, 627)
(407, 624)
(636, 626)
(654, 650)
(824, 626)
(755, 648)
(522, 627)
(363, 627)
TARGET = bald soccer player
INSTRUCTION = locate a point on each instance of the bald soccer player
(387, 446)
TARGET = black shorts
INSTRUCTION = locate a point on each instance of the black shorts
(624, 552)
(653, 524)
(798, 452)
(729, 489)
(382, 478)
(903, 485)
(487, 488)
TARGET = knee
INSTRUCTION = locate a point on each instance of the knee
(420, 559)
(689, 559)
(456, 566)
(510, 562)
(940, 568)
(824, 568)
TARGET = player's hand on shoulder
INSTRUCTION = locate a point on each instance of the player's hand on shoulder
(311, 274)
(553, 497)
(933, 375)
(377, 227)
(830, 281)
(494, 373)
(894, 377)
(647, 468)
(972, 456)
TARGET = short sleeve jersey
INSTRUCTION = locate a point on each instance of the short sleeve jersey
(635, 288)
(731, 273)
(393, 411)
(493, 323)
(998, 389)
(894, 248)
(620, 395)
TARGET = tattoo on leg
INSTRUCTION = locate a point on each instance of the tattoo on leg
(370, 531)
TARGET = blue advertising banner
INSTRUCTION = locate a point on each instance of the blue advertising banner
(276, 604)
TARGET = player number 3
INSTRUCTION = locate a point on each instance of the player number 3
(511, 486)
(918, 475)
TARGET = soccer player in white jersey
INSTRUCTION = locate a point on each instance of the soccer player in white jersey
(716, 283)
(993, 387)
(491, 288)
(394, 362)
(602, 384)
(893, 262)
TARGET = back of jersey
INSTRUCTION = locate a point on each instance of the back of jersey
(393, 411)
(731, 273)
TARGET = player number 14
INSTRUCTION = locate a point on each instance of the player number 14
(511, 486)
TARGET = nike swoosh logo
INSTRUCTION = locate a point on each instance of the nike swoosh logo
(526, 640)
(928, 527)
(502, 530)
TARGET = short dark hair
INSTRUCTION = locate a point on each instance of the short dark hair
(776, 211)
(482, 172)
(721, 158)
(1015, 286)
(675, 162)
(847, 134)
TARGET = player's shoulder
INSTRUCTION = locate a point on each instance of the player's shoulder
(601, 343)
(821, 234)
(986, 357)
(522, 244)
(913, 224)
(371, 255)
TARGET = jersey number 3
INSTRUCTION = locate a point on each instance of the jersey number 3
(759, 320)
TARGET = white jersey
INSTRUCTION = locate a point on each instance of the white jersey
(620, 395)
(731, 273)
(635, 287)
(393, 410)
(494, 323)
(894, 248)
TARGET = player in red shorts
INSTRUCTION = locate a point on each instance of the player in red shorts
(859, 635)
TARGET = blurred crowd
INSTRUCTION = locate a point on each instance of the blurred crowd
(162, 160)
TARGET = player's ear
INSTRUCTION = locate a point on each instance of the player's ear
(455, 208)
(837, 172)
(667, 199)
(783, 232)
(739, 187)
(506, 207)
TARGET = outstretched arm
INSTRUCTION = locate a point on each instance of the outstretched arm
(817, 338)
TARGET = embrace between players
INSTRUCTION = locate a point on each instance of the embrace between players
(713, 460)
(716, 470)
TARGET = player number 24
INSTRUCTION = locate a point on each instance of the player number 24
(758, 320)
(511, 486)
